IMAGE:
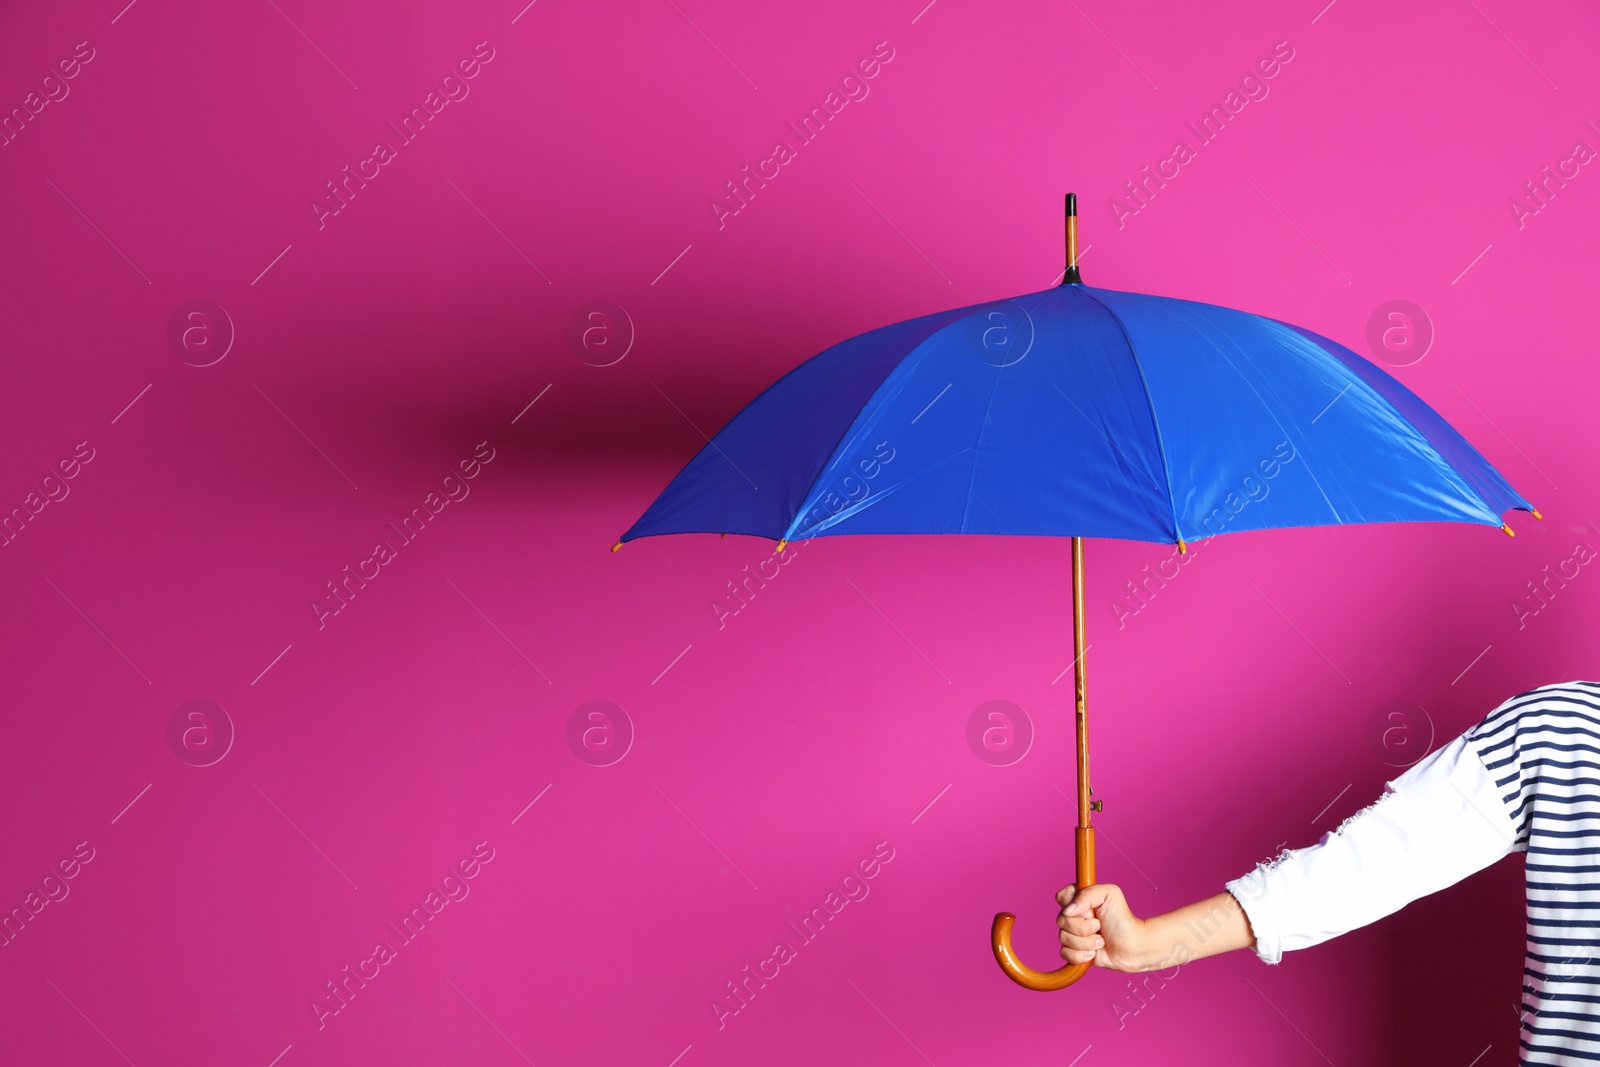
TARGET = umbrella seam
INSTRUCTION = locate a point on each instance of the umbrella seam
(977, 450)
(1270, 408)
(1357, 380)
(795, 522)
(861, 505)
(1155, 423)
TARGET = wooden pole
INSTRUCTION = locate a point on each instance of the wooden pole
(1085, 833)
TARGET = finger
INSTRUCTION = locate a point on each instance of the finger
(1076, 955)
(1092, 897)
(1079, 924)
(1065, 896)
(1083, 944)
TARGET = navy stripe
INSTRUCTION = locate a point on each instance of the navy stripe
(1562, 764)
(1581, 998)
(1555, 1050)
(1495, 719)
(1566, 712)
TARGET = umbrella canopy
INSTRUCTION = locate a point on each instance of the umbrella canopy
(1087, 412)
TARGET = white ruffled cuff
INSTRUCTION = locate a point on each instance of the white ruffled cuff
(1250, 891)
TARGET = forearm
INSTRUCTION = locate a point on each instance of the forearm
(1440, 821)
(1205, 928)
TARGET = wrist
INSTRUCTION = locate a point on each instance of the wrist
(1154, 945)
(1163, 943)
(1204, 928)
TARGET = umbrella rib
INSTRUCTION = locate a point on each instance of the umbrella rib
(1131, 465)
(945, 319)
(1373, 393)
(1255, 388)
(872, 498)
(1155, 424)
(977, 451)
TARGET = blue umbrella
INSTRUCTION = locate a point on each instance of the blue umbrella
(1080, 412)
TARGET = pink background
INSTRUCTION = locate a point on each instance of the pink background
(772, 754)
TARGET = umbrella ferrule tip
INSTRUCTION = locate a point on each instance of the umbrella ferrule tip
(616, 546)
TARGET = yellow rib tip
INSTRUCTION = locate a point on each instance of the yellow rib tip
(724, 536)
(1182, 548)
(1509, 531)
(616, 546)
(783, 544)
(1537, 515)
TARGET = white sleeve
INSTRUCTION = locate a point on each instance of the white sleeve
(1437, 823)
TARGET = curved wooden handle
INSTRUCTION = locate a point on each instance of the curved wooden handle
(1000, 933)
(1021, 973)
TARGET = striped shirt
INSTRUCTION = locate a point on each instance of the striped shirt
(1525, 779)
(1543, 750)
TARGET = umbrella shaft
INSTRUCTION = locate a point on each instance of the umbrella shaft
(1082, 716)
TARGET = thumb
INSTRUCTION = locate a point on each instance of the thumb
(1090, 898)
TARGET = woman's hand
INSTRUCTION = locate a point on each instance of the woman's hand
(1097, 925)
